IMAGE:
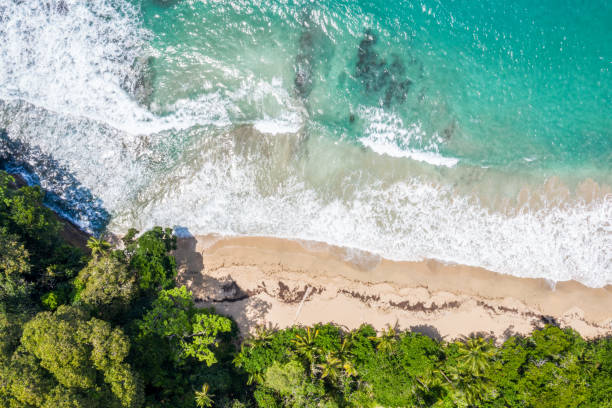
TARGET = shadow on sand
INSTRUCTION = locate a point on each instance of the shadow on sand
(223, 294)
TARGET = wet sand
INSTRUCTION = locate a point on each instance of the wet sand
(278, 282)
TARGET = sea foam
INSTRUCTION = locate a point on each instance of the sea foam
(237, 161)
(83, 61)
(386, 133)
(404, 220)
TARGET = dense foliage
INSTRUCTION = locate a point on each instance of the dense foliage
(111, 329)
(106, 329)
(325, 367)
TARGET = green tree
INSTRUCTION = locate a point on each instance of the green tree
(468, 389)
(107, 286)
(400, 374)
(476, 355)
(345, 356)
(78, 351)
(14, 258)
(14, 267)
(331, 367)
(97, 246)
(292, 384)
(10, 331)
(25, 215)
(600, 373)
(24, 380)
(149, 255)
(190, 331)
(306, 345)
(386, 340)
(31, 238)
(555, 372)
(261, 337)
(63, 397)
(203, 397)
(57, 340)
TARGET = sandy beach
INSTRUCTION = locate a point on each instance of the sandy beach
(278, 283)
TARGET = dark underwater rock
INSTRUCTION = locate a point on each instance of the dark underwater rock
(369, 66)
(377, 76)
(314, 50)
(59, 7)
(166, 3)
(62, 7)
(139, 81)
(304, 65)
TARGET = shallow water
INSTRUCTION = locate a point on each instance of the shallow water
(460, 131)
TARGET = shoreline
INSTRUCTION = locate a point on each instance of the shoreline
(71, 232)
(279, 282)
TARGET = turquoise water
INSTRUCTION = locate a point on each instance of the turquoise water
(469, 132)
(490, 83)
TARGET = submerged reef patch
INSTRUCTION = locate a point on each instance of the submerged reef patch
(378, 76)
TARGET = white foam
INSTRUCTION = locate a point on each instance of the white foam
(386, 132)
(407, 220)
(105, 160)
(287, 124)
(76, 63)
(69, 68)
(393, 150)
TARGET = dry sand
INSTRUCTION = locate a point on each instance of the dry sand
(279, 283)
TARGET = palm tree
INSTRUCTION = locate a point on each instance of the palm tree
(204, 398)
(427, 381)
(330, 367)
(475, 355)
(468, 388)
(305, 344)
(345, 356)
(261, 338)
(97, 246)
(420, 388)
(349, 368)
(343, 352)
(466, 382)
(255, 378)
(386, 340)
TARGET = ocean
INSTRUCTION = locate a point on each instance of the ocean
(477, 133)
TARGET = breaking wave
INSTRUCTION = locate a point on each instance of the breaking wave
(310, 130)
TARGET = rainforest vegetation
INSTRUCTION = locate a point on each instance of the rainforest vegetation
(108, 327)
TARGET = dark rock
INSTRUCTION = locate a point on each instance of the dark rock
(166, 3)
(304, 65)
(62, 7)
(139, 81)
(224, 290)
(379, 77)
(64, 192)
